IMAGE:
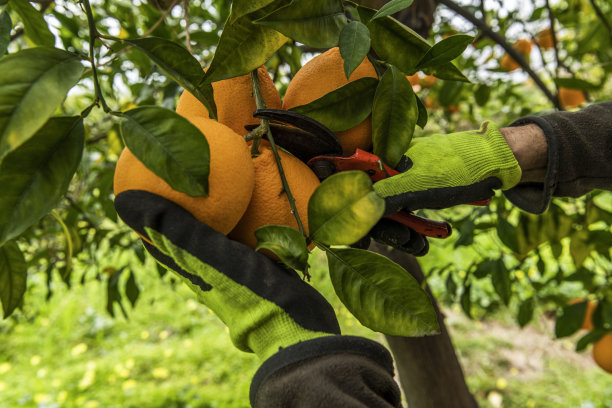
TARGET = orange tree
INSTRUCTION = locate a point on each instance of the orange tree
(79, 81)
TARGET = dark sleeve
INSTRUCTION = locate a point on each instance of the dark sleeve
(332, 371)
(579, 156)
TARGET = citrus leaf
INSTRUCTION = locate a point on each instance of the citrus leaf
(382, 295)
(34, 23)
(243, 47)
(344, 208)
(33, 82)
(501, 281)
(354, 44)
(589, 338)
(285, 242)
(507, 233)
(576, 83)
(447, 71)
(243, 7)
(570, 321)
(525, 312)
(180, 65)
(5, 31)
(394, 116)
(423, 116)
(344, 107)
(445, 51)
(316, 23)
(170, 146)
(13, 275)
(466, 300)
(392, 7)
(580, 248)
(132, 291)
(35, 176)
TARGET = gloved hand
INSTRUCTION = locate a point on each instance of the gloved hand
(441, 171)
(269, 310)
(392, 233)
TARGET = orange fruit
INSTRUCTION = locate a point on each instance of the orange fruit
(321, 75)
(428, 81)
(587, 323)
(234, 100)
(544, 39)
(508, 63)
(524, 47)
(414, 79)
(269, 203)
(571, 98)
(602, 352)
(231, 178)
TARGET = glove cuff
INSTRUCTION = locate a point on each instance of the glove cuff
(310, 349)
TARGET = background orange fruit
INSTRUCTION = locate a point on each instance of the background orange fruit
(234, 100)
(587, 323)
(321, 75)
(231, 178)
(571, 98)
(269, 203)
(602, 352)
(544, 39)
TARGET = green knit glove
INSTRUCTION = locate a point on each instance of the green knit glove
(440, 171)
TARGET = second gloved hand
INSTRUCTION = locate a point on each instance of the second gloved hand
(441, 171)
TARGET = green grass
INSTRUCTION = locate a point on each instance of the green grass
(172, 352)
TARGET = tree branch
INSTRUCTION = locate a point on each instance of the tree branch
(602, 17)
(499, 39)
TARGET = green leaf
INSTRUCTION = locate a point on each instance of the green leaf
(131, 289)
(392, 7)
(113, 295)
(445, 51)
(451, 285)
(243, 47)
(394, 116)
(180, 65)
(33, 83)
(344, 107)
(482, 94)
(34, 23)
(243, 7)
(354, 44)
(507, 234)
(344, 208)
(525, 312)
(450, 93)
(589, 338)
(316, 23)
(423, 116)
(35, 177)
(570, 321)
(5, 31)
(501, 281)
(381, 294)
(580, 247)
(13, 275)
(285, 242)
(576, 83)
(466, 300)
(170, 146)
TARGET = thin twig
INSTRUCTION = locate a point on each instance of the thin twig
(602, 17)
(553, 33)
(499, 39)
(186, 17)
(93, 36)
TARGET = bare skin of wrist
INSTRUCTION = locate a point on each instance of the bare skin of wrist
(528, 143)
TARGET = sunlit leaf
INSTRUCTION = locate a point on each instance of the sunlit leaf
(580, 247)
(170, 146)
(34, 24)
(13, 275)
(243, 7)
(33, 82)
(381, 294)
(576, 83)
(354, 45)
(285, 242)
(392, 7)
(35, 176)
(316, 23)
(180, 65)
(344, 208)
(344, 107)
(243, 47)
(445, 51)
(5, 31)
(394, 116)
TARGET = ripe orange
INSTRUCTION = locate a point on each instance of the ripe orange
(571, 98)
(234, 100)
(231, 178)
(269, 203)
(428, 81)
(321, 75)
(544, 39)
(602, 352)
(414, 79)
(508, 63)
(524, 47)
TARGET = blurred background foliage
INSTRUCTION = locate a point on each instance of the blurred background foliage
(87, 272)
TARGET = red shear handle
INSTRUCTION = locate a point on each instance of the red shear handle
(424, 226)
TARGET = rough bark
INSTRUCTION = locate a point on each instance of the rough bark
(429, 370)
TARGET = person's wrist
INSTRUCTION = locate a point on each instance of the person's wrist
(528, 144)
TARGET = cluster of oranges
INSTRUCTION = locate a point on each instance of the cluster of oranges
(245, 190)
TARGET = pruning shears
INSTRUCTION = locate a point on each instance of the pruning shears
(315, 144)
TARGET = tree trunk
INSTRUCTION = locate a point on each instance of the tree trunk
(429, 371)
